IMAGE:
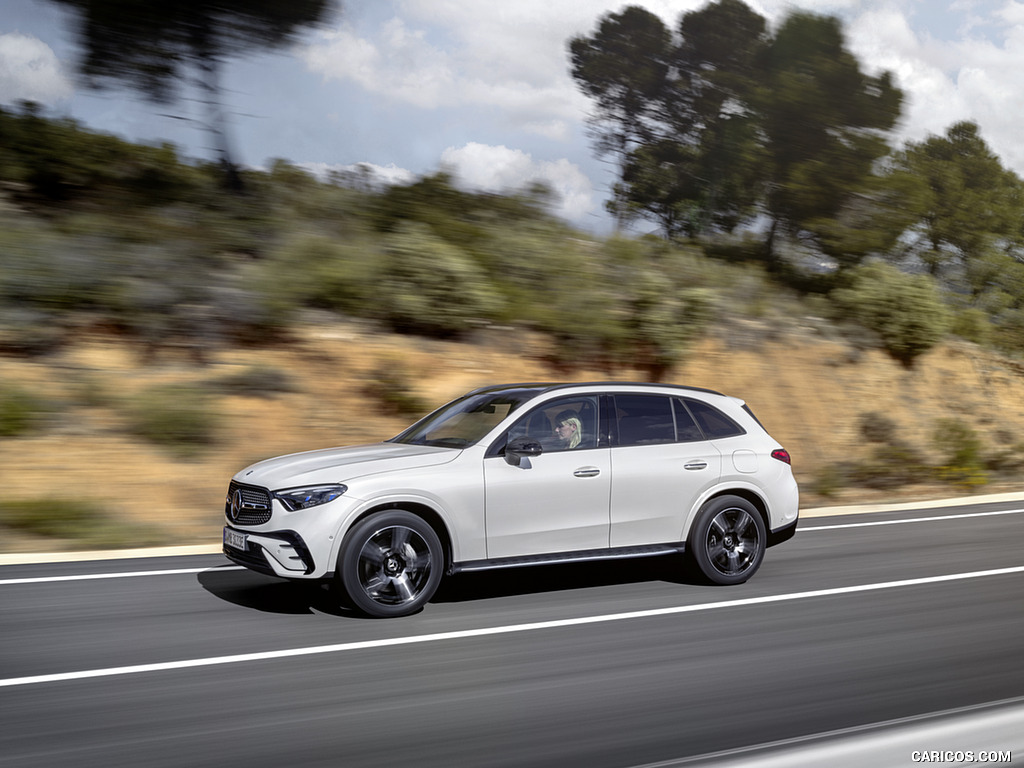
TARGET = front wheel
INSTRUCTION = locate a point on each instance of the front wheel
(728, 540)
(391, 564)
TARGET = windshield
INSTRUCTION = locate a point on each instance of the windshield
(464, 421)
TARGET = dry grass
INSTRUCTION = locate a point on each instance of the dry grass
(810, 393)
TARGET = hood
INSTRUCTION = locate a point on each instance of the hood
(338, 465)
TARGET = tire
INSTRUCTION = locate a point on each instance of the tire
(728, 540)
(391, 564)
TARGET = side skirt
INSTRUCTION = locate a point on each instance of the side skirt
(582, 556)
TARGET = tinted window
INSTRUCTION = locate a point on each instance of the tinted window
(712, 421)
(644, 420)
(687, 430)
(561, 425)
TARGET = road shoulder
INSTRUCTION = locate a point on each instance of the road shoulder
(26, 558)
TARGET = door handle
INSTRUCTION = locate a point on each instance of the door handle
(698, 464)
(587, 472)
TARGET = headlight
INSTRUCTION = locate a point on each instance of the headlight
(303, 498)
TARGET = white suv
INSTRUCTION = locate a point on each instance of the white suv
(519, 475)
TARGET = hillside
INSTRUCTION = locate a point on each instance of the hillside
(322, 387)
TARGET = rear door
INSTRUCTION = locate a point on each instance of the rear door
(661, 463)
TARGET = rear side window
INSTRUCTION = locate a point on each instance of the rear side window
(712, 421)
(645, 420)
(687, 430)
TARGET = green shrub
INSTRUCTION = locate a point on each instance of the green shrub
(91, 392)
(180, 417)
(255, 381)
(635, 303)
(972, 324)
(827, 481)
(1006, 460)
(430, 287)
(389, 386)
(890, 466)
(82, 521)
(29, 332)
(662, 322)
(962, 462)
(319, 272)
(1009, 333)
(905, 311)
(876, 428)
(51, 517)
(20, 411)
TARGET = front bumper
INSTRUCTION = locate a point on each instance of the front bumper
(282, 553)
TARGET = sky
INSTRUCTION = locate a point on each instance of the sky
(482, 89)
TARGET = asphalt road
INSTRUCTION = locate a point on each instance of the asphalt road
(861, 625)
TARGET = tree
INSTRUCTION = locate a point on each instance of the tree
(720, 56)
(872, 218)
(625, 68)
(969, 214)
(724, 121)
(673, 113)
(156, 46)
(825, 125)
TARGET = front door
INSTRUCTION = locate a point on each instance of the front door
(555, 502)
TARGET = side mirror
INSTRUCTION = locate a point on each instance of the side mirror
(520, 447)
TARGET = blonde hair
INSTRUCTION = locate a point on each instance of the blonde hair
(576, 435)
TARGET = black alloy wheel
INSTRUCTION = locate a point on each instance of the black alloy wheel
(728, 540)
(391, 563)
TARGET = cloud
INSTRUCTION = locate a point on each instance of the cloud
(465, 54)
(500, 169)
(883, 40)
(968, 76)
(30, 70)
(373, 175)
(398, 62)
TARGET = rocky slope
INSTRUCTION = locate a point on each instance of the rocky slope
(810, 392)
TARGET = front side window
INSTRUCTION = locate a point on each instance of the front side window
(565, 424)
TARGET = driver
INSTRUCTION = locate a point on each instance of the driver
(568, 429)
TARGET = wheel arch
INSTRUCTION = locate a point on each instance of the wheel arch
(430, 515)
(746, 494)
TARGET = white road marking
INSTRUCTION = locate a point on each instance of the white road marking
(119, 575)
(174, 571)
(489, 631)
(936, 518)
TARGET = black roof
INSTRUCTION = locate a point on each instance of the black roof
(552, 386)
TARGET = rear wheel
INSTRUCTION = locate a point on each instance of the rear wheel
(391, 564)
(728, 540)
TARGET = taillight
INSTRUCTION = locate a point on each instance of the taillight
(782, 455)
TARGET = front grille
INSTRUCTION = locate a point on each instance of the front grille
(247, 504)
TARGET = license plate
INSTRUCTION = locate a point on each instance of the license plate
(234, 539)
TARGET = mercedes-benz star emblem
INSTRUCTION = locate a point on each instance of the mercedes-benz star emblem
(236, 504)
